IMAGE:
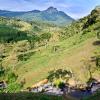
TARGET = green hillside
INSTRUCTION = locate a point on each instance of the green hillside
(18, 39)
(78, 46)
(30, 50)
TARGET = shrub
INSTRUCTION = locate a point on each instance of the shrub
(11, 77)
(22, 46)
(2, 71)
(45, 36)
(13, 87)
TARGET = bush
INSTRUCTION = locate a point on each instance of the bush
(13, 87)
(61, 85)
(2, 71)
(22, 46)
(11, 77)
(45, 36)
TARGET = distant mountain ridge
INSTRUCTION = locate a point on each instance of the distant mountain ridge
(50, 15)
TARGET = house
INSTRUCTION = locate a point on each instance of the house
(3, 84)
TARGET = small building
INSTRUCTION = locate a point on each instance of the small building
(3, 85)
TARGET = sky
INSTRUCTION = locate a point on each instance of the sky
(74, 8)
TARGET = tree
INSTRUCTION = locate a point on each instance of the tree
(98, 61)
(2, 50)
(45, 36)
(98, 53)
(2, 70)
(62, 75)
(22, 46)
(89, 68)
(98, 34)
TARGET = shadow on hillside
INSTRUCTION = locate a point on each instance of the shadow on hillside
(96, 43)
(28, 96)
(92, 88)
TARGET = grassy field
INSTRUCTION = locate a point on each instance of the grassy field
(70, 55)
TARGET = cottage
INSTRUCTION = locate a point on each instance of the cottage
(3, 85)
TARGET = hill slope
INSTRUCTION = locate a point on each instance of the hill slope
(75, 46)
(70, 54)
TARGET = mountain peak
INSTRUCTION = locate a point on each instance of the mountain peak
(52, 9)
(96, 10)
(98, 7)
